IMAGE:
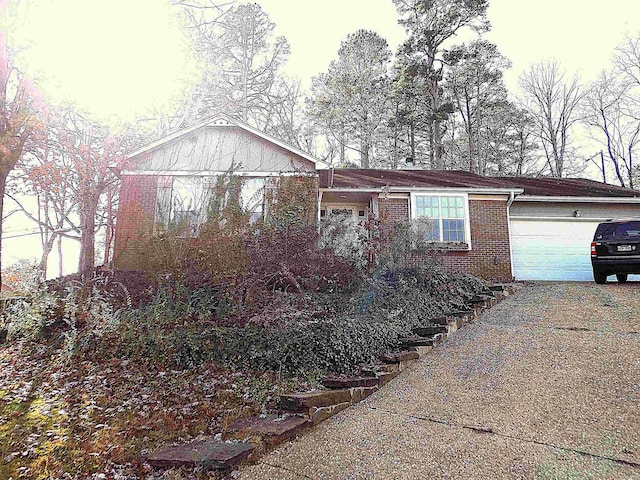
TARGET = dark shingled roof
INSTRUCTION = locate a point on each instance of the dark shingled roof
(568, 187)
(544, 186)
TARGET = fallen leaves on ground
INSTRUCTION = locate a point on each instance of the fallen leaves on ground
(60, 420)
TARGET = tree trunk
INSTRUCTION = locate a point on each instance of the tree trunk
(60, 263)
(412, 141)
(87, 239)
(364, 155)
(47, 246)
(437, 140)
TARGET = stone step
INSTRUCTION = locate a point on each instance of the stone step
(320, 414)
(205, 454)
(481, 299)
(306, 402)
(461, 313)
(415, 341)
(374, 370)
(302, 401)
(273, 429)
(386, 377)
(444, 320)
(399, 357)
(340, 381)
(429, 330)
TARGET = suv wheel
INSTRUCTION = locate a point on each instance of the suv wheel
(600, 277)
(622, 277)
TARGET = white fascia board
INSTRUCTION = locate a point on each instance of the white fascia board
(486, 191)
(557, 219)
(562, 199)
(212, 173)
(228, 122)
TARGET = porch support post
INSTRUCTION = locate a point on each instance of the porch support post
(319, 205)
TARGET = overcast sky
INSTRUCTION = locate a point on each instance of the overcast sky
(581, 34)
(119, 56)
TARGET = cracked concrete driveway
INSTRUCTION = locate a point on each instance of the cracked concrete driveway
(546, 385)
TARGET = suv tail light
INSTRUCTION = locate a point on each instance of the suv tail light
(593, 249)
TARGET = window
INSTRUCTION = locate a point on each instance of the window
(184, 202)
(447, 215)
(252, 197)
(189, 202)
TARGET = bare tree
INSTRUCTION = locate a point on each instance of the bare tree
(552, 101)
(610, 115)
(243, 62)
(17, 118)
(353, 95)
(627, 59)
(42, 176)
(429, 24)
(474, 83)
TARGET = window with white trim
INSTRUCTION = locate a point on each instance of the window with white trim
(189, 202)
(252, 197)
(447, 215)
(185, 201)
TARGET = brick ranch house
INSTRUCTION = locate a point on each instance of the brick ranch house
(495, 228)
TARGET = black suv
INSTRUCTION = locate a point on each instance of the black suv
(615, 250)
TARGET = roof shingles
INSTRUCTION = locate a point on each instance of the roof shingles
(376, 178)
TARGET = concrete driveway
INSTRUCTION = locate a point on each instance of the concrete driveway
(546, 385)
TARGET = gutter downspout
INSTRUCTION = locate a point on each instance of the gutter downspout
(319, 206)
(512, 197)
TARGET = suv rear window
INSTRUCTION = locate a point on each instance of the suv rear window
(607, 231)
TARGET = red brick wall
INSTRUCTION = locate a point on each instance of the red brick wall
(394, 209)
(136, 213)
(456, 261)
(489, 256)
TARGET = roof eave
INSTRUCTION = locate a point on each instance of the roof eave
(390, 189)
(569, 199)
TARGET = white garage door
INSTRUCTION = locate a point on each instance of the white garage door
(552, 250)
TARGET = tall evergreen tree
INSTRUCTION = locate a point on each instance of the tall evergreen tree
(351, 100)
(429, 24)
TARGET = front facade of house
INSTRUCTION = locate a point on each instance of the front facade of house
(468, 215)
(495, 228)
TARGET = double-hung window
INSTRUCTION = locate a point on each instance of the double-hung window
(446, 214)
(189, 201)
(185, 201)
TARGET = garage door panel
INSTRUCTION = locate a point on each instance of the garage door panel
(552, 250)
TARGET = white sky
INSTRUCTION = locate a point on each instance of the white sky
(120, 57)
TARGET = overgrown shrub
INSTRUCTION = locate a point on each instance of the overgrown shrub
(25, 317)
(332, 332)
(285, 296)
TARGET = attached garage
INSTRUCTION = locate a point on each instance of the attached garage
(551, 235)
(552, 249)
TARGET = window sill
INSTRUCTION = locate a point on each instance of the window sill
(446, 246)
